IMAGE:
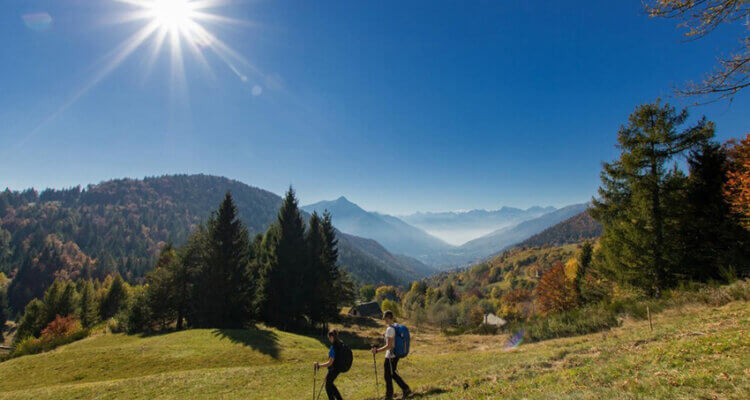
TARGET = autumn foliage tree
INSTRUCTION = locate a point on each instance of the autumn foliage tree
(737, 187)
(555, 291)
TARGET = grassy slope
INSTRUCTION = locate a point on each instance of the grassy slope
(693, 352)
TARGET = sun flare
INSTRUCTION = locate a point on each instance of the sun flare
(172, 14)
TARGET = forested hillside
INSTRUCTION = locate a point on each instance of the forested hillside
(120, 226)
(572, 230)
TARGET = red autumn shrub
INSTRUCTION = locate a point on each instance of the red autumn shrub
(61, 327)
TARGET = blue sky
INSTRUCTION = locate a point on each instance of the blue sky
(400, 106)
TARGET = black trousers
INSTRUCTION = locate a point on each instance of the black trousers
(391, 374)
(331, 390)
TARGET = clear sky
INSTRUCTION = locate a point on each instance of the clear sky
(398, 105)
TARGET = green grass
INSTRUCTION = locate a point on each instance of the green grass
(695, 351)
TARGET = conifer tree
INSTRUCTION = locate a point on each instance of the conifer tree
(33, 321)
(160, 291)
(115, 299)
(60, 299)
(223, 287)
(88, 305)
(318, 288)
(640, 196)
(714, 239)
(284, 262)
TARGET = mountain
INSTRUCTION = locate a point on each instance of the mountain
(573, 230)
(458, 227)
(121, 225)
(499, 240)
(394, 234)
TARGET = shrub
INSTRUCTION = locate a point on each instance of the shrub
(386, 293)
(61, 327)
(393, 306)
(367, 292)
(569, 323)
(62, 330)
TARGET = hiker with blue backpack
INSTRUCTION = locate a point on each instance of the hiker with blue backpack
(339, 361)
(396, 347)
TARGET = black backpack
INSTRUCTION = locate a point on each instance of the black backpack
(344, 357)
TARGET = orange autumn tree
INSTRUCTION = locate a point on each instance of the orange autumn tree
(555, 291)
(737, 187)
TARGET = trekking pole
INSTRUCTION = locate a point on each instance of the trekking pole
(315, 380)
(375, 368)
(321, 389)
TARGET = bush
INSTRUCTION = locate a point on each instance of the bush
(62, 330)
(393, 306)
(61, 327)
(569, 323)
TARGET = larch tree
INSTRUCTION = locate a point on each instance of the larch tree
(88, 305)
(641, 196)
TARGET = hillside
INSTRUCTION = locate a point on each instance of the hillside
(458, 227)
(120, 225)
(514, 268)
(695, 351)
(573, 230)
(394, 234)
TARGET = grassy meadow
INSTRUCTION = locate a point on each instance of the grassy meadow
(695, 351)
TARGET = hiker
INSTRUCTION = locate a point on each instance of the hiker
(391, 359)
(336, 350)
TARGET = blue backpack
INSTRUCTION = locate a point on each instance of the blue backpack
(401, 347)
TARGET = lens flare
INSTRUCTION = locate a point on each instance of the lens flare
(515, 340)
(37, 21)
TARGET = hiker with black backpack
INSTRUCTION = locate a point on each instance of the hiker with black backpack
(339, 360)
(396, 347)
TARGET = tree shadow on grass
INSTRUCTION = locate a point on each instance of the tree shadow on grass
(351, 339)
(262, 340)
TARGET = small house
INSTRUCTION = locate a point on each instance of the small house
(492, 319)
(371, 309)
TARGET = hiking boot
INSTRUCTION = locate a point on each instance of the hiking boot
(407, 394)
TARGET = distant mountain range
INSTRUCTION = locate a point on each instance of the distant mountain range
(501, 239)
(394, 234)
(573, 230)
(459, 227)
(400, 237)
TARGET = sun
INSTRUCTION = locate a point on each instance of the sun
(172, 14)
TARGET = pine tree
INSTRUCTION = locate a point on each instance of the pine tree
(88, 305)
(60, 299)
(640, 197)
(318, 289)
(223, 287)
(714, 240)
(160, 290)
(115, 298)
(284, 258)
(33, 321)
